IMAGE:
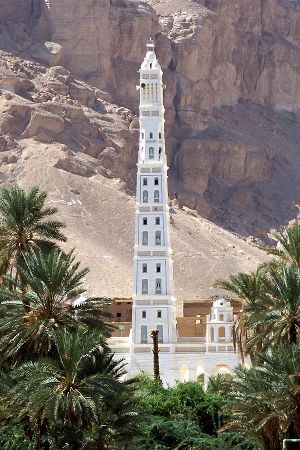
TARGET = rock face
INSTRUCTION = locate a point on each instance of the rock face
(68, 124)
(232, 99)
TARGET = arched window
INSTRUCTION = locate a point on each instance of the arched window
(157, 220)
(156, 196)
(151, 153)
(145, 221)
(151, 135)
(159, 153)
(142, 135)
(144, 334)
(158, 268)
(160, 333)
(200, 378)
(150, 65)
(145, 268)
(157, 238)
(145, 238)
(200, 373)
(221, 334)
(144, 286)
(158, 286)
(145, 181)
(145, 196)
(159, 135)
(156, 182)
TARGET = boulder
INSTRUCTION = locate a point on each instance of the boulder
(44, 121)
(48, 53)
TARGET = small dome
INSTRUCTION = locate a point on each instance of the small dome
(79, 301)
(221, 303)
(151, 55)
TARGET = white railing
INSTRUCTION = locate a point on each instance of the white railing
(117, 340)
(191, 339)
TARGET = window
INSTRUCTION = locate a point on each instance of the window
(144, 334)
(145, 181)
(159, 314)
(144, 314)
(151, 152)
(145, 238)
(157, 238)
(142, 135)
(160, 333)
(157, 220)
(156, 196)
(158, 286)
(156, 181)
(145, 196)
(150, 65)
(145, 221)
(119, 314)
(221, 318)
(144, 286)
(145, 268)
(159, 135)
(151, 135)
(158, 268)
(159, 153)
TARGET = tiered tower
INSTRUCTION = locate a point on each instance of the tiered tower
(154, 306)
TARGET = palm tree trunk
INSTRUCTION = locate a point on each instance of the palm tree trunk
(271, 435)
(293, 333)
(154, 335)
(293, 431)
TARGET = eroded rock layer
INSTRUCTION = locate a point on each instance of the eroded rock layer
(68, 122)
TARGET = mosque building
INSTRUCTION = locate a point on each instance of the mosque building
(195, 338)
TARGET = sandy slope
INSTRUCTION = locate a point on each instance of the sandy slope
(100, 220)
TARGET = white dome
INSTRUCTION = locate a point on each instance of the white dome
(221, 303)
(79, 301)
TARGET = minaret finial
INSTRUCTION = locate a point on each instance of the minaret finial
(150, 44)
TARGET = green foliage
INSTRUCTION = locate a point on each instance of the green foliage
(52, 281)
(186, 401)
(13, 437)
(25, 225)
(184, 417)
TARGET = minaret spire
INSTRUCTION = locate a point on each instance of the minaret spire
(150, 44)
(154, 306)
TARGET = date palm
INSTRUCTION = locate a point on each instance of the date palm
(276, 313)
(288, 248)
(53, 281)
(248, 288)
(71, 392)
(26, 224)
(265, 400)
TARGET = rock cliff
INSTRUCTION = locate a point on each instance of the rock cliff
(68, 122)
(232, 100)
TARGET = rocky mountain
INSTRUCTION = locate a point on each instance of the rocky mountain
(232, 99)
(68, 122)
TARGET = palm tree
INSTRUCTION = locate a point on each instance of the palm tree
(53, 281)
(288, 248)
(72, 392)
(276, 312)
(25, 225)
(248, 288)
(265, 400)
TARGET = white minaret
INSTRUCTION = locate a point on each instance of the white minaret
(154, 306)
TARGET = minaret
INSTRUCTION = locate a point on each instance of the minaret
(154, 306)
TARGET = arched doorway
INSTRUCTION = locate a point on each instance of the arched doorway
(183, 373)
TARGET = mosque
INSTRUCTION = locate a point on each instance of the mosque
(195, 338)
